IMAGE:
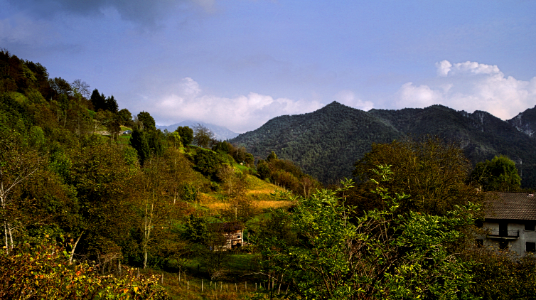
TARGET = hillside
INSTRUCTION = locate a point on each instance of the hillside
(326, 143)
(76, 185)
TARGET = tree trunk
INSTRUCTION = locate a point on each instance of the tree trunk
(5, 234)
(74, 247)
(147, 233)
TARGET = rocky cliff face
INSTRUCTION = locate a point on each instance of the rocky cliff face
(525, 122)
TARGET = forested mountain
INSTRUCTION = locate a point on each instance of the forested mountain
(326, 143)
(220, 133)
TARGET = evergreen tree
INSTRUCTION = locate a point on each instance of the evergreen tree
(98, 100)
(111, 104)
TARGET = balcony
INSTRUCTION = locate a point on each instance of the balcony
(503, 234)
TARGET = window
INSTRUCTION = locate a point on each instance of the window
(531, 247)
(529, 226)
(503, 245)
(503, 229)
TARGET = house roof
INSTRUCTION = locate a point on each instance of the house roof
(511, 206)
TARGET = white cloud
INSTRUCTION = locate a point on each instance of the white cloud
(443, 68)
(240, 113)
(471, 86)
(475, 68)
(410, 95)
(348, 98)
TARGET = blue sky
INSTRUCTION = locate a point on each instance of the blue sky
(239, 63)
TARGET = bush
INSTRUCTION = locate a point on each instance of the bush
(44, 272)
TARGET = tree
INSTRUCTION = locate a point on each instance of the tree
(434, 173)
(140, 142)
(202, 136)
(111, 104)
(271, 156)
(174, 139)
(207, 162)
(186, 133)
(81, 87)
(377, 256)
(16, 165)
(101, 179)
(146, 121)
(98, 100)
(263, 170)
(125, 117)
(61, 86)
(499, 174)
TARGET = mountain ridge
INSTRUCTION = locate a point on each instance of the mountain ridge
(327, 142)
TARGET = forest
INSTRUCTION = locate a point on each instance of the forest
(96, 203)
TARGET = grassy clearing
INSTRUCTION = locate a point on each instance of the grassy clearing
(263, 195)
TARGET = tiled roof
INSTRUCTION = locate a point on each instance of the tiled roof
(511, 206)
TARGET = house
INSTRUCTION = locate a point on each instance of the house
(232, 235)
(510, 220)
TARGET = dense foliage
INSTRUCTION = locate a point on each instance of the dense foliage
(431, 171)
(379, 255)
(498, 174)
(285, 173)
(66, 171)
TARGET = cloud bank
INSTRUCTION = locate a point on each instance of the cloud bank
(471, 86)
(240, 113)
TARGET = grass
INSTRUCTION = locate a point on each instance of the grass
(264, 195)
(190, 287)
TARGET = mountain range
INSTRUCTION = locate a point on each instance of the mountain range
(220, 133)
(326, 143)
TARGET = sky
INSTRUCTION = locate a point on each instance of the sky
(239, 63)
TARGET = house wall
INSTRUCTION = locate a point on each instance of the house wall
(516, 245)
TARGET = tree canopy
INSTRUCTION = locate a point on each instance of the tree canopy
(498, 174)
(186, 133)
(146, 121)
(432, 172)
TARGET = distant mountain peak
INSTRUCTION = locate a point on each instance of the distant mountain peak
(220, 132)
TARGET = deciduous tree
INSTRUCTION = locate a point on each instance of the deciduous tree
(499, 174)
(432, 172)
(186, 133)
